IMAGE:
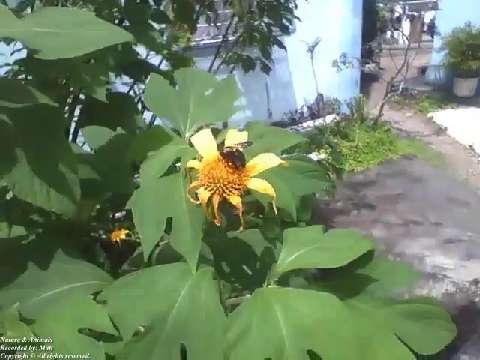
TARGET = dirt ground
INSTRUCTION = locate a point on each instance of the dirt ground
(462, 162)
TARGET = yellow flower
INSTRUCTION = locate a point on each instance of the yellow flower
(219, 179)
(118, 235)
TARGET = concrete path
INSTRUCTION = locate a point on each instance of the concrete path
(461, 162)
(463, 124)
(423, 216)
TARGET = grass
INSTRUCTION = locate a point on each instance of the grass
(363, 145)
(425, 104)
(422, 151)
(357, 142)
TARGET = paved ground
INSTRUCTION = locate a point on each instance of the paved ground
(462, 162)
(423, 216)
(426, 216)
(463, 124)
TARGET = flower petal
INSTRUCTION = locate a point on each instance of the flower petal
(203, 196)
(263, 162)
(236, 201)
(235, 137)
(215, 202)
(261, 186)
(193, 187)
(193, 164)
(205, 143)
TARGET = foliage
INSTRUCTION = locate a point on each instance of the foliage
(368, 146)
(358, 142)
(171, 284)
(463, 50)
(426, 103)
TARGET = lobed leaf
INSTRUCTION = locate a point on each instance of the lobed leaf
(198, 99)
(55, 31)
(158, 199)
(282, 324)
(62, 321)
(297, 179)
(270, 139)
(175, 307)
(15, 93)
(310, 248)
(45, 169)
(36, 289)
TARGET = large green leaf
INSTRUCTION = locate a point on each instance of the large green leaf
(36, 289)
(370, 276)
(113, 166)
(45, 173)
(390, 277)
(120, 111)
(282, 324)
(8, 156)
(174, 306)
(198, 99)
(421, 324)
(61, 322)
(159, 161)
(297, 179)
(15, 93)
(160, 198)
(96, 136)
(61, 32)
(425, 327)
(241, 258)
(87, 74)
(10, 325)
(310, 248)
(147, 141)
(266, 138)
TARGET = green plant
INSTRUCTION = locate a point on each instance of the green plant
(463, 51)
(125, 244)
(418, 148)
(424, 104)
(369, 145)
(358, 142)
(430, 103)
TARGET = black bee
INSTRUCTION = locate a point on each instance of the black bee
(234, 154)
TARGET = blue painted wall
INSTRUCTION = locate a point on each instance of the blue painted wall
(339, 24)
(452, 13)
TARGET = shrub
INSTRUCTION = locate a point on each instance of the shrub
(463, 51)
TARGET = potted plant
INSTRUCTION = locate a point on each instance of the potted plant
(463, 58)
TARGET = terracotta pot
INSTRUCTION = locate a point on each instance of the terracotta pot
(465, 88)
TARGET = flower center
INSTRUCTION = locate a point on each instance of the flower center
(222, 178)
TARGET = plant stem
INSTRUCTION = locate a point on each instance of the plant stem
(71, 115)
(237, 300)
(221, 44)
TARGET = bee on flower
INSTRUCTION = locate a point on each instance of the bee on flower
(225, 175)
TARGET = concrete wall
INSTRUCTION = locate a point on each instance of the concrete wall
(452, 13)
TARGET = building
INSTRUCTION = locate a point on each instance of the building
(291, 84)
